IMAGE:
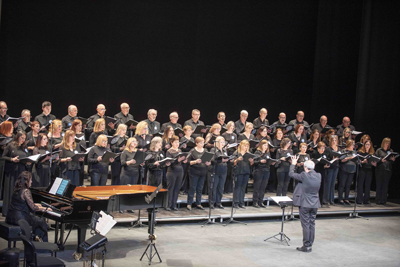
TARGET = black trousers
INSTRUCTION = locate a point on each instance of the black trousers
(154, 177)
(345, 181)
(283, 183)
(260, 183)
(364, 182)
(382, 185)
(174, 182)
(307, 218)
(228, 188)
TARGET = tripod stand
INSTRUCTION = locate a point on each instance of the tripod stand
(231, 220)
(152, 243)
(354, 213)
(283, 236)
(210, 196)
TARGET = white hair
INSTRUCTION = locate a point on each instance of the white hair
(244, 112)
(309, 164)
(150, 111)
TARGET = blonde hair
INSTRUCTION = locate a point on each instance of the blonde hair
(263, 142)
(67, 135)
(344, 135)
(128, 144)
(56, 123)
(100, 139)
(386, 140)
(331, 139)
(230, 124)
(302, 144)
(217, 141)
(186, 128)
(198, 140)
(120, 128)
(248, 124)
(97, 124)
(139, 128)
(214, 127)
(242, 144)
(154, 142)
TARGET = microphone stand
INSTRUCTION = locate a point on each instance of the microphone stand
(51, 150)
(210, 197)
(354, 213)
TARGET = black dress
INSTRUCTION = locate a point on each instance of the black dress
(129, 173)
(42, 169)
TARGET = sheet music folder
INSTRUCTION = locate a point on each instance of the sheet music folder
(282, 201)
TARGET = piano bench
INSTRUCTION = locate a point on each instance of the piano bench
(10, 233)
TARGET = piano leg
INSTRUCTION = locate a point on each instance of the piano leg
(81, 236)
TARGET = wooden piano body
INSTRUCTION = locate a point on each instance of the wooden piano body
(87, 199)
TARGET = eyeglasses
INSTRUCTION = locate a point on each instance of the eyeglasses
(102, 109)
(4, 108)
(196, 114)
(126, 107)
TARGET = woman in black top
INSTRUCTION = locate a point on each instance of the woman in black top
(197, 173)
(297, 137)
(43, 167)
(130, 168)
(328, 196)
(32, 136)
(365, 174)
(155, 169)
(6, 133)
(283, 170)
(99, 170)
(213, 133)
(22, 206)
(320, 166)
(69, 168)
(77, 128)
(276, 143)
(219, 169)
(346, 136)
(303, 156)
(230, 138)
(142, 136)
(55, 134)
(118, 145)
(174, 173)
(261, 173)
(185, 147)
(328, 135)
(242, 172)
(383, 171)
(312, 144)
(348, 168)
(262, 134)
(14, 151)
(99, 129)
(246, 135)
(168, 133)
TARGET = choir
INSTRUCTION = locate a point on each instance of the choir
(150, 153)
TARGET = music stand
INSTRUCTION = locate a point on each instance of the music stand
(210, 197)
(283, 202)
(152, 244)
(354, 213)
(231, 220)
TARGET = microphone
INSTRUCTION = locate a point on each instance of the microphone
(50, 121)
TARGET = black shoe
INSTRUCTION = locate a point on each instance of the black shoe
(304, 249)
(189, 207)
(220, 206)
(346, 202)
(212, 207)
(386, 205)
(236, 206)
(341, 203)
(130, 211)
(256, 206)
(368, 204)
(360, 204)
(175, 209)
(332, 203)
(242, 207)
(200, 207)
(168, 209)
(262, 205)
(121, 211)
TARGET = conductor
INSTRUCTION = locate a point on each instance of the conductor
(307, 198)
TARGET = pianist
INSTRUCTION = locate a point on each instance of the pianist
(22, 206)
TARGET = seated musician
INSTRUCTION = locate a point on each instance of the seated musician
(22, 205)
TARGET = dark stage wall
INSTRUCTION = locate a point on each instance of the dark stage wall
(325, 57)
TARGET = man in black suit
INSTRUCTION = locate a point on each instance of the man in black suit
(307, 199)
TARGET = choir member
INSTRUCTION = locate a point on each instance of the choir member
(101, 111)
(241, 123)
(246, 135)
(130, 168)
(175, 174)
(283, 170)
(346, 135)
(154, 126)
(155, 173)
(262, 120)
(194, 122)
(123, 117)
(99, 169)
(220, 169)
(3, 112)
(70, 169)
(168, 133)
(281, 123)
(297, 136)
(315, 138)
(345, 124)
(55, 134)
(69, 119)
(261, 173)
(173, 117)
(98, 129)
(213, 133)
(327, 137)
(32, 136)
(230, 138)
(142, 136)
(320, 166)
(383, 171)
(118, 146)
(45, 118)
(262, 134)
(78, 128)
(328, 197)
(6, 130)
(323, 123)
(25, 123)
(347, 170)
(22, 207)
(15, 150)
(302, 156)
(186, 138)
(197, 173)
(365, 174)
(42, 167)
(221, 119)
(6, 136)
(364, 138)
(299, 120)
(276, 143)
(242, 172)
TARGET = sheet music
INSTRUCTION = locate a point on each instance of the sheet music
(55, 186)
(281, 199)
(105, 223)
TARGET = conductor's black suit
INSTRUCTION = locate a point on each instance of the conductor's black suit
(308, 200)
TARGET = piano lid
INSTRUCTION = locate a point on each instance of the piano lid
(106, 191)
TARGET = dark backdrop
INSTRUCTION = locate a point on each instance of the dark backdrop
(325, 57)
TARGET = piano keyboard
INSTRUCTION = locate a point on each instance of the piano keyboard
(53, 213)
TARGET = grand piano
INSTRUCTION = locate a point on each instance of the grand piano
(77, 206)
